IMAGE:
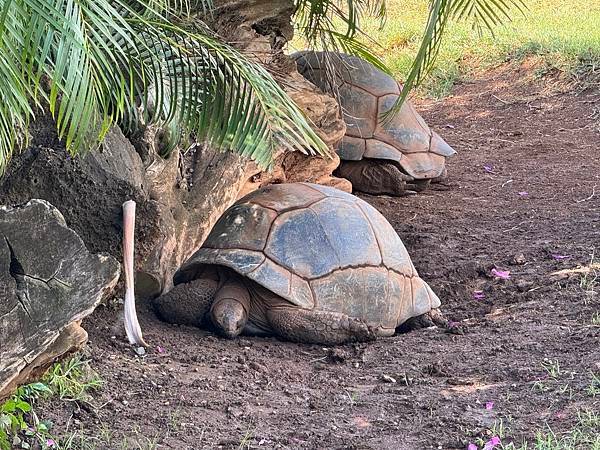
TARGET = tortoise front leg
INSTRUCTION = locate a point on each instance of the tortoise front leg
(318, 327)
(187, 303)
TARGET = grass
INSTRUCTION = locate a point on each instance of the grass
(72, 380)
(20, 426)
(552, 368)
(584, 435)
(581, 432)
(589, 281)
(565, 34)
(594, 387)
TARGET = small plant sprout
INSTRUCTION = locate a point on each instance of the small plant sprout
(596, 318)
(499, 429)
(72, 380)
(353, 397)
(539, 385)
(18, 421)
(20, 426)
(552, 367)
(246, 440)
(588, 281)
(567, 388)
(594, 388)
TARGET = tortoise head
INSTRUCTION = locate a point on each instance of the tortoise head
(229, 311)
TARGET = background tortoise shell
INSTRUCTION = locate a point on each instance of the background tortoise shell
(365, 93)
(317, 247)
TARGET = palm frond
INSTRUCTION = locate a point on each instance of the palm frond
(486, 14)
(334, 26)
(128, 62)
(439, 13)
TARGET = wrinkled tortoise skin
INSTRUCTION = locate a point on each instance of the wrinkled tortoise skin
(365, 93)
(318, 248)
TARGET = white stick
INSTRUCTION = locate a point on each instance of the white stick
(132, 326)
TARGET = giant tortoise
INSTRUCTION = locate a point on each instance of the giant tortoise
(378, 157)
(305, 262)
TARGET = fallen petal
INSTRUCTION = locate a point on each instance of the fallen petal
(488, 168)
(471, 446)
(492, 443)
(523, 193)
(361, 422)
(503, 274)
(489, 405)
(478, 295)
(50, 443)
(160, 349)
(561, 257)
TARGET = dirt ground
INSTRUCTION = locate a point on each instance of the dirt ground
(530, 346)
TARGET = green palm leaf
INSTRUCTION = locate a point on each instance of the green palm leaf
(128, 62)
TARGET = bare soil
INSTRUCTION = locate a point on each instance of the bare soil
(539, 197)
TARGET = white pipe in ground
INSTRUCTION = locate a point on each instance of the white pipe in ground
(132, 326)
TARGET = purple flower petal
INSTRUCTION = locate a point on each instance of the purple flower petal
(488, 168)
(503, 274)
(478, 295)
(489, 405)
(561, 257)
(523, 193)
(471, 446)
(492, 443)
(160, 349)
(50, 442)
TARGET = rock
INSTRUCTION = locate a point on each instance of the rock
(89, 190)
(71, 339)
(49, 281)
(519, 259)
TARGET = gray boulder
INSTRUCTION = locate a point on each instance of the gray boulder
(49, 281)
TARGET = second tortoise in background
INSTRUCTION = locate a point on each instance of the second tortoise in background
(397, 158)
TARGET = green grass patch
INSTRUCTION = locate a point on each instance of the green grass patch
(20, 426)
(566, 34)
(584, 435)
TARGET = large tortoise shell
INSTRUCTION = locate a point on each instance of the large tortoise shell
(365, 93)
(317, 247)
